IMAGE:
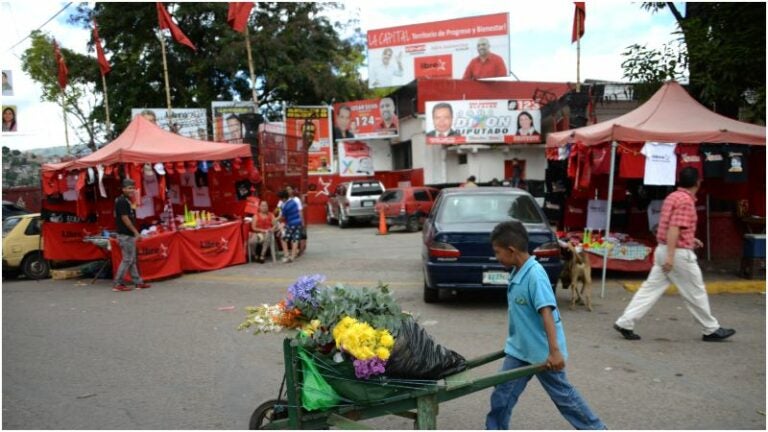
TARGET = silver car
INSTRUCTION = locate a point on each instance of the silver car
(354, 200)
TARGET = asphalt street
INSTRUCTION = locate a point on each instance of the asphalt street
(79, 356)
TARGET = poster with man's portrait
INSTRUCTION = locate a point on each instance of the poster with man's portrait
(7, 82)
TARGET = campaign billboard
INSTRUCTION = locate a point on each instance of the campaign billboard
(355, 159)
(227, 123)
(463, 48)
(509, 121)
(189, 122)
(365, 119)
(313, 125)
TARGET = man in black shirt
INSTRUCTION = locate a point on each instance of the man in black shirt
(125, 217)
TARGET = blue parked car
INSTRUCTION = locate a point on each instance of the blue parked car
(457, 253)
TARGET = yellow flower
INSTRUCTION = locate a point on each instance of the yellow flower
(382, 353)
(385, 339)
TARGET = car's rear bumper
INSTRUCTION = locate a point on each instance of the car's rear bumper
(467, 276)
(397, 220)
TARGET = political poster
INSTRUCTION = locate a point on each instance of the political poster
(189, 122)
(441, 49)
(355, 159)
(227, 120)
(7, 82)
(365, 119)
(508, 121)
(313, 125)
(10, 116)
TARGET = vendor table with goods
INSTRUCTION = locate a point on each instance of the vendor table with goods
(209, 245)
(624, 252)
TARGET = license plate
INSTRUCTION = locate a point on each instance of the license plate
(495, 278)
(368, 203)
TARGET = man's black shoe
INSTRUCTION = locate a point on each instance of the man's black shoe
(628, 334)
(718, 335)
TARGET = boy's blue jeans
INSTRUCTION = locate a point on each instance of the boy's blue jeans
(562, 393)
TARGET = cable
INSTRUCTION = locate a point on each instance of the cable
(43, 25)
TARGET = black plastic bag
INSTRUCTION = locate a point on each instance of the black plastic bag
(417, 356)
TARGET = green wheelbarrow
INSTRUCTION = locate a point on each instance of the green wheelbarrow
(366, 399)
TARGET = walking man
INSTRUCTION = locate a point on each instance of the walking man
(675, 261)
(127, 234)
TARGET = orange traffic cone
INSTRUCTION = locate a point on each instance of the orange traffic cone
(382, 222)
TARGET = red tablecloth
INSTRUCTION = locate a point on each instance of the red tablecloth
(596, 261)
(159, 256)
(172, 253)
(64, 241)
(212, 248)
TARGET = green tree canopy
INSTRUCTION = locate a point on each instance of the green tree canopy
(724, 52)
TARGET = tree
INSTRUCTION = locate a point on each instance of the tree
(298, 54)
(725, 54)
(78, 97)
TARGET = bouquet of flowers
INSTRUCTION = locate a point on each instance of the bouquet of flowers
(335, 320)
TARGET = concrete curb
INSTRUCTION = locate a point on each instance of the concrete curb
(715, 287)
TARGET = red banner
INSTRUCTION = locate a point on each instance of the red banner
(212, 248)
(312, 124)
(64, 242)
(365, 119)
(159, 256)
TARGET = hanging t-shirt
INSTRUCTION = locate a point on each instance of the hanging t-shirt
(660, 163)
(736, 163)
(689, 156)
(556, 176)
(601, 160)
(714, 162)
(554, 203)
(575, 213)
(631, 161)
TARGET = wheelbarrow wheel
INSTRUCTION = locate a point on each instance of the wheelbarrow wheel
(268, 412)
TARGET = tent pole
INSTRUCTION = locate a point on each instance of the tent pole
(106, 108)
(250, 67)
(167, 86)
(709, 243)
(614, 144)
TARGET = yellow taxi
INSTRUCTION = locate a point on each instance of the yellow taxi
(23, 246)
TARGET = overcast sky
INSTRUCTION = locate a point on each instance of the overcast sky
(540, 44)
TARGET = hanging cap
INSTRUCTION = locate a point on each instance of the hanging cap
(108, 169)
(236, 163)
(159, 168)
(202, 166)
(191, 166)
(168, 167)
(180, 167)
(216, 166)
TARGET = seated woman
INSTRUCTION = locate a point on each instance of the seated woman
(262, 231)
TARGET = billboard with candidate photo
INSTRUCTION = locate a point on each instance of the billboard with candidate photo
(227, 123)
(509, 121)
(463, 48)
(189, 122)
(313, 125)
(365, 119)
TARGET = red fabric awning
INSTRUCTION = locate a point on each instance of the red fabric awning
(144, 142)
(670, 115)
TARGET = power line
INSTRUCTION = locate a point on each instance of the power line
(43, 25)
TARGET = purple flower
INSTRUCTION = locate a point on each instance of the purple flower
(368, 368)
(303, 289)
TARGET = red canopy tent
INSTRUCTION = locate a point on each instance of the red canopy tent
(141, 143)
(144, 142)
(670, 115)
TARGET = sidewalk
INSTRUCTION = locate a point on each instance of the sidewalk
(720, 276)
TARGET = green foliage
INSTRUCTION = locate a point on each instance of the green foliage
(651, 68)
(299, 57)
(725, 55)
(6, 150)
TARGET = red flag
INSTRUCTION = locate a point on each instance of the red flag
(63, 71)
(164, 18)
(237, 17)
(103, 64)
(579, 16)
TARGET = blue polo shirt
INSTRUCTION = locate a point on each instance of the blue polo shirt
(529, 290)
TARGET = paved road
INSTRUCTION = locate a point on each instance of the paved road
(78, 356)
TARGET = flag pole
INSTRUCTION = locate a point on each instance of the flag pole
(165, 75)
(578, 55)
(106, 105)
(64, 113)
(250, 66)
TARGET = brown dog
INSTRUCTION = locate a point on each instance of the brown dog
(576, 269)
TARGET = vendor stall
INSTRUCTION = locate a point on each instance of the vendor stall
(175, 176)
(655, 141)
